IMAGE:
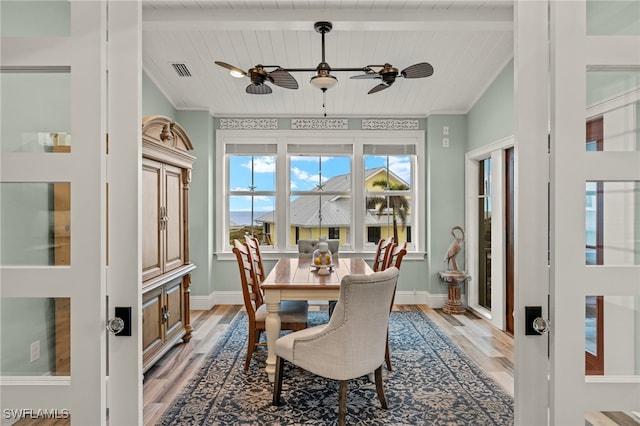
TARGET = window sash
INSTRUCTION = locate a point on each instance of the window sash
(357, 145)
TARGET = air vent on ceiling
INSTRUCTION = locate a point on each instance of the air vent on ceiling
(181, 69)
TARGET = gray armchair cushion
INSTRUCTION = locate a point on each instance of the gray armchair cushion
(306, 247)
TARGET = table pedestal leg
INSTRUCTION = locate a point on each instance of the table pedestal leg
(272, 324)
(454, 305)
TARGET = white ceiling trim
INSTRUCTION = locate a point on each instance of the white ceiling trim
(342, 19)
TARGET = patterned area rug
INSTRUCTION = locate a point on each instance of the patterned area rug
(432, 383)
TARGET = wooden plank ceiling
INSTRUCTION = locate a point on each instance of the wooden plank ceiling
(468, 43)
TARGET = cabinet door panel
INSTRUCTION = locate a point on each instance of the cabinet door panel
(151, 233)
(152, 327)
(174, 247)
(174, 304)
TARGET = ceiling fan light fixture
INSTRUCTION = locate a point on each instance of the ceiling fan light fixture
(323, 81)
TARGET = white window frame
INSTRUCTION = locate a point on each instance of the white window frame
(322, 138)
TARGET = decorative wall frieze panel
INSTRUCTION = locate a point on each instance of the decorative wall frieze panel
(389, 124)
(319, 124)
(248, 124)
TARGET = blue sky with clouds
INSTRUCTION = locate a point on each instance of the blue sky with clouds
(304, 171)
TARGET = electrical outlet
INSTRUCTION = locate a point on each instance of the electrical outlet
(35, 351)
(445, 130)
(445, 142)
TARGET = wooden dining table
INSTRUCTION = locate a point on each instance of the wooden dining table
(298, 279)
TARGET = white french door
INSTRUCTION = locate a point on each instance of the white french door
(556, 47)
(61, 274)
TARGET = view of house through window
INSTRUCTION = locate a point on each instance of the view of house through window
(319, 197)
(325, 195)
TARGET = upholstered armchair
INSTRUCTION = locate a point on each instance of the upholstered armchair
(352, 344)
(306, 247)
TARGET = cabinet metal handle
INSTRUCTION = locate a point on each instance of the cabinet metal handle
(165, 314)
(163, 218)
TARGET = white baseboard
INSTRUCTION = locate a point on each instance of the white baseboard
(203, 303)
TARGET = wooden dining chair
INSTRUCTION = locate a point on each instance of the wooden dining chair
(351, 345)
(293, 314)
(381, 259)
(254, 247)
(396, 253)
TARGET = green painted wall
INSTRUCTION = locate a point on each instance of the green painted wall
(153, 100)
(445, 189)
(199, 126)
(492, 117)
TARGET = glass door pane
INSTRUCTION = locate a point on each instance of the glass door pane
(484, 236)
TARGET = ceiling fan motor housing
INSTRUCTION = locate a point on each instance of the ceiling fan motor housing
(258, 75)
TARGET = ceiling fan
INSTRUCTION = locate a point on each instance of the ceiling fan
(323, 79)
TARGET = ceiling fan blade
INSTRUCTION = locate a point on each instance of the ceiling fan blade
(365, 76)
(231, 67)
(378, 88)
(423, 69)
(258, 89)
(282, 78)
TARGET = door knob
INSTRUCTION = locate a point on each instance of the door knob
(120, 324)
(115, 325)
(541, 325)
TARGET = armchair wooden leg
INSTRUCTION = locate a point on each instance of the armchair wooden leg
(342, 404)
(379, 389)
(387, 354)
(277, 381)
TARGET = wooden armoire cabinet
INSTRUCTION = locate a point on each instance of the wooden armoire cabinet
(166, 268)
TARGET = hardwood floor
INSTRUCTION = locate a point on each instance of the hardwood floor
(490, 348)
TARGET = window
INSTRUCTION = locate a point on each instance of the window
(251, 194)
(354, 186)
(320, 203)
(373, 234)
(388, 171)
(334, 233)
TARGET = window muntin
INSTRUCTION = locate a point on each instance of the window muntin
(327, 145)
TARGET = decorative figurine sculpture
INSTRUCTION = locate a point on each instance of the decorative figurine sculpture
(454, 249)
(453, 276)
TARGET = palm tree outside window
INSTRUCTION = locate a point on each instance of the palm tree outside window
(389, 195)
